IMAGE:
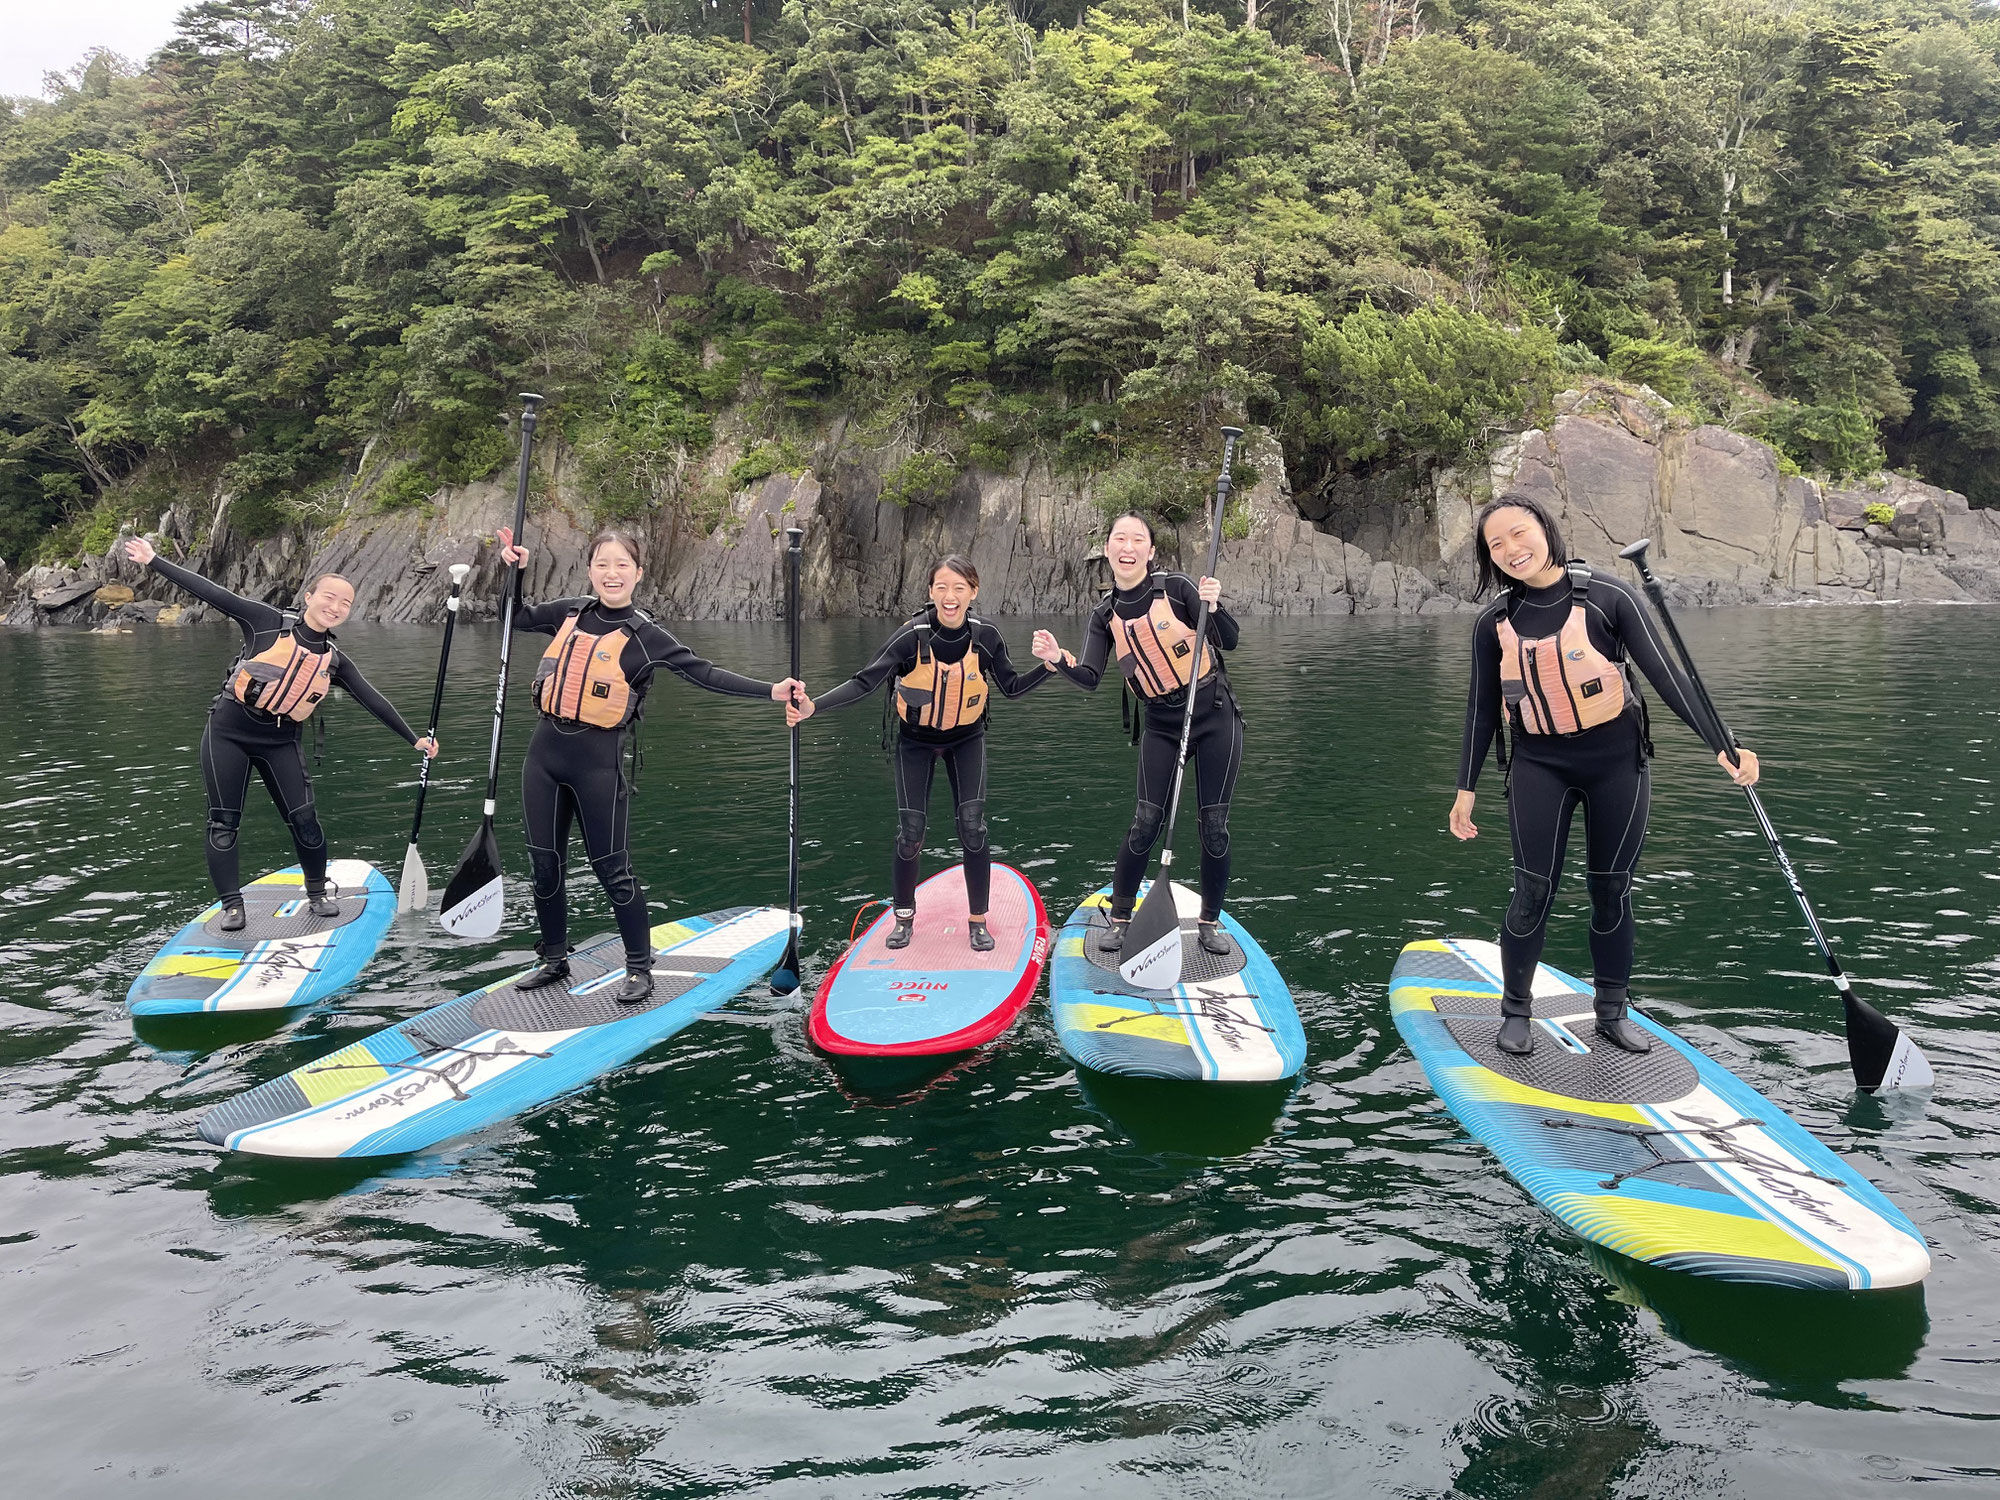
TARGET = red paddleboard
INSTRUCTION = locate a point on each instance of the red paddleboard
(936, 995)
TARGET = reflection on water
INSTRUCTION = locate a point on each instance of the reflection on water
(730, 1269)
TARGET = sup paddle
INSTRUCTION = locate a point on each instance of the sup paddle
(785, 978)
(472, 898)
(1153, 941)
(1880, 1052)
(414, 894)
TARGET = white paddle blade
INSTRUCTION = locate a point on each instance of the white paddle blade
(477, 915)
(1908, 1067)
(1153, 942)
(414, 892)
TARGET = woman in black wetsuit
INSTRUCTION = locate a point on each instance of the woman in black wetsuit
(590, 686)
(939, 660)
(1147, 621)
(287, 666)
(1549, 655)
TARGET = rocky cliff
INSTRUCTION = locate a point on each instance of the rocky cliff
(1729, 526)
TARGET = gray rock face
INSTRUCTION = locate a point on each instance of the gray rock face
(1728, 527)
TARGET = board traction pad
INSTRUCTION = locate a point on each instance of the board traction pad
(262, 925)
(1198, 965)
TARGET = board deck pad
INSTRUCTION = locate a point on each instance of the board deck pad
(1665, 1156)
(937, 995)
(1230, 1019)
(490, 1055)
(283, 958)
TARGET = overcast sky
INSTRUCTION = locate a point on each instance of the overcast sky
(44, 36)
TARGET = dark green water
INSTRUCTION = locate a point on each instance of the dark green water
(724, 1272)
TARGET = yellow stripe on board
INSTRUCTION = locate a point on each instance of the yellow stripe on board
(1152, 1025)
(348, 1071)
(1648, 1230)
(195, 965)
(282, 877)
(1424, 994)
(1490, 1087)
(1070, 947)
(1102, 898)
(1427, 945)
(669, 933)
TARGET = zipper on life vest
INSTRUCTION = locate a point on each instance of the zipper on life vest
(1537, 693)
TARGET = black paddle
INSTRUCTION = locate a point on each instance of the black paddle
(414, 894)
(1881, 1053)
(472, 898)
(785, 978)
(1153, 941)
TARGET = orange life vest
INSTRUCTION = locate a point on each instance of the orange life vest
(1156, 651)
(581, 678)
(285, 680)
(941, 694)
(1560, 684)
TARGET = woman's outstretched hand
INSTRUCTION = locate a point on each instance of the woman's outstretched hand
(1210, 590)
(1745, 771)
(1462, 825)
(429, 745)
(514, 557)
(798, 709)
(139, 550)
(1046, 649)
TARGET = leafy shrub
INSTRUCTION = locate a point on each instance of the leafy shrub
(1836, 440)
(1667, 367)
(920, 479)
(762, 461)
(1879, 514)
(1154, 484)
(404, 487)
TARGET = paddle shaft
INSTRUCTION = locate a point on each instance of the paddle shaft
(1222, 482)
(437, 694)
(512, 602)
(794, 537)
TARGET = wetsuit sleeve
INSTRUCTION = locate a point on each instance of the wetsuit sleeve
(252, 615)
(546, 619)
(1627, 620)
(362, 691)
(897, 656)
(1186, 596)
(662, 650)
(1089, 668)
(1013, 684)
(1482, 700)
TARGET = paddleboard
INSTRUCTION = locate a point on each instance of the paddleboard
(1665, 1156)
(284, 957)
(1229, 1020)
(498, 1051)
(936, 995)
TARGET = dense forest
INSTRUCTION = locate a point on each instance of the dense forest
(1388, 228)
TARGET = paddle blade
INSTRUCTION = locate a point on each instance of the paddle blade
(1881, 1052)
(414, 893)
(472, 904)
(785, 978)
(1153, 942)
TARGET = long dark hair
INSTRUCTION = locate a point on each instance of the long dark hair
(953, 562)
(1132, 515)
(623, 538)
(1490, 575)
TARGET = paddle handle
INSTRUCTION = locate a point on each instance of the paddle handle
(530, 407)
(1222, 485)
(458, 574)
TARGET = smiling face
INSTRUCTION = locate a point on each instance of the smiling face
(1517, 544)
(614, 573)
(1129, 549)
(328, 605)
(952, 595)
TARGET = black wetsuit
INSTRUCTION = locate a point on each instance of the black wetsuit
(240, 739)
(1603, 770)
(576, 771)
(919, 749)
(1215, 744)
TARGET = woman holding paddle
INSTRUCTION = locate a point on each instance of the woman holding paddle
(1550, 660)
(286, 668)
(591, 686)
(939, 660)
(1148, 622)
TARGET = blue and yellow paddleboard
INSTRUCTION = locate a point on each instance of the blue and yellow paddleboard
(498, 1051)
(1665, 1156)
(283, 958)
(1229, 1020)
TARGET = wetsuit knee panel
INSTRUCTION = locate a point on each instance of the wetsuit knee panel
(222, 830)
(1610, 893)
(1530, 905)
(306, 830)
(615, 873)
(972, 826)
(909, 834)
(547, 868)
(1215, 832)
(1146, 821)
